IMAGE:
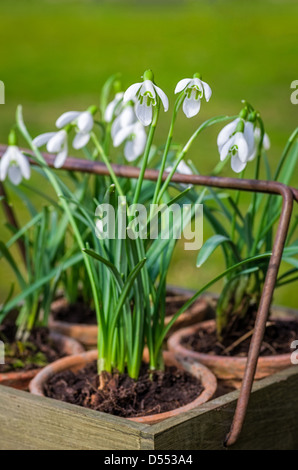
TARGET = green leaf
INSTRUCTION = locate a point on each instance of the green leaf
(210, 246)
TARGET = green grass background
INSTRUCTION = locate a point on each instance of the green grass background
(55, 56)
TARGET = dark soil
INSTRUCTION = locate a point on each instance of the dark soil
(81, 313)
(278, 337)
(78, 312)
(38, 351)
(122, 396)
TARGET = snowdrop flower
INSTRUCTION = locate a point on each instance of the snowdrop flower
(251, 135)
(84, 124)
(112, 107)
(135, 136)
(126, 117)
(237, 148)
(56, 143)
(146, 95)
(15, 165)
(194, 89)
(182, 168)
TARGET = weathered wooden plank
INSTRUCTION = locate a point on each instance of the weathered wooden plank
(271, 422)
(32, 422)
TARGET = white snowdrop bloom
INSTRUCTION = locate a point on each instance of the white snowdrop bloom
(194, 89)
(266, 140)
(251, 134)
(135, 137)
(126, 117)
(112, 107)
(15, 165)
(56, 143)
(145, 94)
(238, 149)
(84, 125)
(182, 168)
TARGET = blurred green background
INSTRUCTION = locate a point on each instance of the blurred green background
(56, 55)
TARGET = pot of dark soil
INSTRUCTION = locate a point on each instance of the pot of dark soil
(23, 359)
(227, 359)
(78, 320)
(150, 399)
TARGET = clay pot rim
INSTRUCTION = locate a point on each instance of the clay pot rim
(30, 374)
(196, 308)
(174, 344)
(208, 380)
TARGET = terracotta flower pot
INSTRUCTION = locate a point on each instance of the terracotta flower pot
(20, 379)
(87, 334)
(79, 361)
(226, 367)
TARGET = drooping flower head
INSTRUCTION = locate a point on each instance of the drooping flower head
(14, 163)
(56, 143)
(135, 137)
(240, 140)
(83, 123)
(194, 89)
(112, 107)
(146, 95)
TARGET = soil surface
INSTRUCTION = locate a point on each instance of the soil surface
(78, 312)
(122, 396)
(38, 351)
(81, 313)
(278, 337)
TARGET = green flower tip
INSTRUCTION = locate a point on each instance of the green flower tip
(240, 127)
(93, 109)
(117, 86)
(12, 137)
(148, 75)
(252, 117)
(243, 113)
(197, 75)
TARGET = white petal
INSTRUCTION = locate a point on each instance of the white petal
(266, 142)
(14, 174)
(226, 132)
(122, 135)
(80, 140)
(42, 139)
(199, 84)
(148, 86)
(237, 165)
(131, 92)
(249, 136)
(110, 109)
(61, 157)
(144, 113)
(191, 107)
(207, 90)
(23, 164)
(183, 168)
(134, 148)
(127, 116)
(163, 97)
(225, 149)
(182, 84)
(5, 162)
(66, 118)
(85, 122)
(55, 143)
(240, 141)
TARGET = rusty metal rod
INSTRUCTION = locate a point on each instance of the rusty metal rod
(271, 187)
